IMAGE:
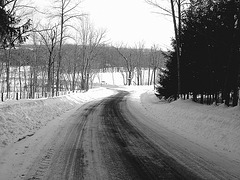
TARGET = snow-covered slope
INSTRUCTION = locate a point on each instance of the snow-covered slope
(19, 119)
(214, 127)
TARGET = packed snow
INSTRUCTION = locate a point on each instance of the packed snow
(214, 127)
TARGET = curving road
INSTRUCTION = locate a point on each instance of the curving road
(103, 140)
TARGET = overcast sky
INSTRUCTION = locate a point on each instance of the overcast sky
(129, 22)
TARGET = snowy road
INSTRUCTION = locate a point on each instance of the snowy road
(101, 143)
(107, 139)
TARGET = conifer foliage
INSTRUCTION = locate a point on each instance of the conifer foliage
(12, 29)
(210, 54)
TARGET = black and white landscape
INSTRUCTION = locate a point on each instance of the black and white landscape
(119, 89)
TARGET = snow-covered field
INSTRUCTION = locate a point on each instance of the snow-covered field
(118, 78)
(214, 127)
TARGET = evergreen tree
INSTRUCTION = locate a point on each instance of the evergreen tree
(209, 54)
(11, 31)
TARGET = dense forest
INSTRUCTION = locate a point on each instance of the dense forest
(209, 46)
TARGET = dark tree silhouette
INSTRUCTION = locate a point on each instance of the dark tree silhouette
(210, 44)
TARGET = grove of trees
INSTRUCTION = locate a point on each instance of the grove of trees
(62, 53)
(209, 54)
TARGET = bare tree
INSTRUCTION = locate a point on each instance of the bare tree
(48, 36)
(156, 61)
(75, 66)
(174, 13)
(139, 62)
(89, 40)
(127, 55)
(71, 65)
(38, 62)
(65, 11)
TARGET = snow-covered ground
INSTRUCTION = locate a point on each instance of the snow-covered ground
(118, 78)
(217, 127)
(20, 119)
(213, 127)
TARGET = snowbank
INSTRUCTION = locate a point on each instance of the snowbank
(19, 119)
(215, 127)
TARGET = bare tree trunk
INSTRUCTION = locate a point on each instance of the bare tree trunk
(143, 77)
(233, 66)
(87, 83)
(149, 71)
(60, 48)
(58, 69)
(154, 77)
(8, 53)
(73, 78)
(20, 80)
(129, 78)
(26, 83)
(2, 77)
(82, 81)
(49, 85)
(35, 83)
(123, 76)
(177, 47)
(113, 76)
(151, 78)
(66, 8)
(14, 83)
(43, 82)
(53, 79)
(31, 84)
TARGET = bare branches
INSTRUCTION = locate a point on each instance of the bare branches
(165, 14)
(73, 16)
(127, 56)
(121, 54)
(65, 10)
(167, 11)
(49, 36)
(89, 40)
(73, 7)
(177, 29)
(157, 4)
(15, 29)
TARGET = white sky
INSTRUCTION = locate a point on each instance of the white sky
(129, 22)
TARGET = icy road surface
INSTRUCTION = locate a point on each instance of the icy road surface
(107, 139)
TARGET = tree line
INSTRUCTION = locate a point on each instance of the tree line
(33, 69)
(50, 63)
(209, 54)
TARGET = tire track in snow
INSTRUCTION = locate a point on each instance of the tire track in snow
(66, 161)
(132, 151)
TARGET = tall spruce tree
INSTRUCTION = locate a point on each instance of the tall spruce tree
(210, 44)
